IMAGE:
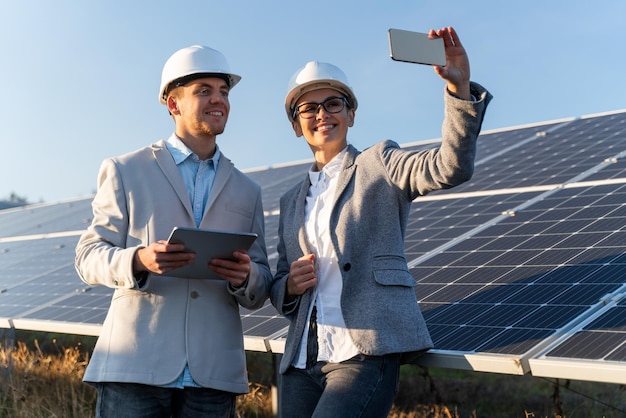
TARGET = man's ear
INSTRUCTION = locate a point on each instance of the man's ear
(296, 128)
(172, 106)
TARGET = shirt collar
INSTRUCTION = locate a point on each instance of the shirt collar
(329, 171)
(180, 152)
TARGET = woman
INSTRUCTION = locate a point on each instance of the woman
(342, 277)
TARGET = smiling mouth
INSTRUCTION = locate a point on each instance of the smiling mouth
(325, 127)
(215, 113)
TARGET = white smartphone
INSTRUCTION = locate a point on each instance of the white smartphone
(416, 47)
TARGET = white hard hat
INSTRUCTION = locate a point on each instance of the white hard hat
(194, 62)
(314, 76)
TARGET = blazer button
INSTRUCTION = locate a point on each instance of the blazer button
(347, 267)
(194, 295)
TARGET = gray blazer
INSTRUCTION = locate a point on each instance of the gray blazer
(151, 332)
(374, 193)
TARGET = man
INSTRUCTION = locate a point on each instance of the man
(173, 346)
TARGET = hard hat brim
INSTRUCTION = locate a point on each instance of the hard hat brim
(231, 79)
(294, 95)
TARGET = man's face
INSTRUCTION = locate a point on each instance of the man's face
(201, 106)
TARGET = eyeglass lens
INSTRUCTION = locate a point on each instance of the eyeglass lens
(330, 105)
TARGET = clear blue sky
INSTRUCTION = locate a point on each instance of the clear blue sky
(80, 78)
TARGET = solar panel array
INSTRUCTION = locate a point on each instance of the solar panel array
(521, 270)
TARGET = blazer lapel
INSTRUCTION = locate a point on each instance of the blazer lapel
(299, 215)
(346, 173)
(298, 222)
(224, 169)
(167, 165)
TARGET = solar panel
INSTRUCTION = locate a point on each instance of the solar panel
(551, 156)
(27, 260)
(261, 325)
(595, 350)
(277, 180)
(436, 222)
(520, 270)
(506, 279)
(46, 218)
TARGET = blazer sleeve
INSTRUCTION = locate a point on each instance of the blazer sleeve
(257, 288)
(103, 256)
(450, 164)
(278, 295)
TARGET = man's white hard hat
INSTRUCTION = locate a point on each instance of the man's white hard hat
(193, 62)
(314, 76)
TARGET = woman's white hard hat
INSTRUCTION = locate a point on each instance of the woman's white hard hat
(194, 62)
(317, 75)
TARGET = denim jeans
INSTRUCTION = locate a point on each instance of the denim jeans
(364, 386)
(129, 400)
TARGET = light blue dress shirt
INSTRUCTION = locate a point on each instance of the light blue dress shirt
(198, 175)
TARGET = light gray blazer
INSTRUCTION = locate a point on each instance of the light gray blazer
(374, 193)
(151, 332)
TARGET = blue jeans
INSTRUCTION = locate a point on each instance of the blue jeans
(364, 386)
(130, 400)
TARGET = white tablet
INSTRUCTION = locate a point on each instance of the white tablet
(208, 244)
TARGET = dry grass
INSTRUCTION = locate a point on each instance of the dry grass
(38, 383)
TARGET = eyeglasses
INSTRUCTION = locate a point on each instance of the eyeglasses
(330, 105)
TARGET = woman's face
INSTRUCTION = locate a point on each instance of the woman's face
(324, 131)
